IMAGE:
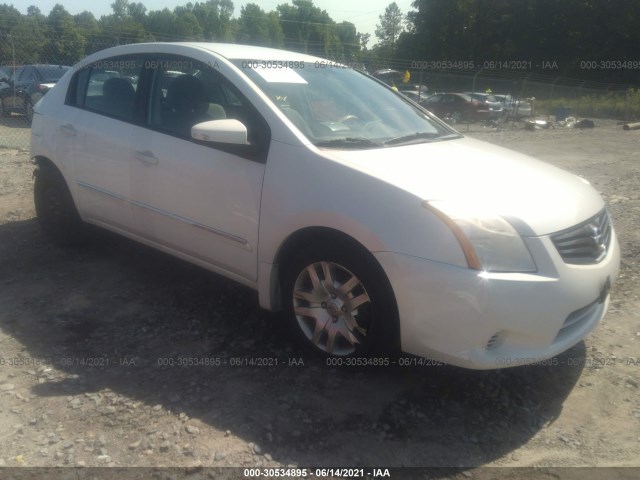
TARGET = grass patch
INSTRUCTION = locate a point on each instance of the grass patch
(617, 105)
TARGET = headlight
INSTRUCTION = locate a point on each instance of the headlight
(488, 241)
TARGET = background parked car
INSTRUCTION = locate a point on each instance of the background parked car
(415, 95)
(5, 74)
(494, 106)
(389, 76)
(397, 79)
(27, 86)
(414, 87)
(514, 108)
(456, 107)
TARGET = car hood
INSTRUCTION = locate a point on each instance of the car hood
(536, 197)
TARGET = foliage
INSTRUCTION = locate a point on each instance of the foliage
(624, 105)
(390, 26)
(256, 27)
(568, 32)
(551, 37)
(62, 38)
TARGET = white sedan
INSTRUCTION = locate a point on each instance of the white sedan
(367, 221)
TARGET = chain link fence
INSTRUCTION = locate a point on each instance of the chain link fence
(551, 93)
(21, 88)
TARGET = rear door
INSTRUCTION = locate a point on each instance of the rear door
(111, 108)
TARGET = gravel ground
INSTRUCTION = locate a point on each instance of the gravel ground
(96, 345)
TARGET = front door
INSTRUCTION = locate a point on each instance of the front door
(199, 200)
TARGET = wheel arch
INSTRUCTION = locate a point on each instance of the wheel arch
(296, 241)
(44, 162)
(310, 238)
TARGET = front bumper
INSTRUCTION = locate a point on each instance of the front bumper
(485, 320)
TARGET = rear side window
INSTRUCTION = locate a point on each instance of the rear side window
(109, 87)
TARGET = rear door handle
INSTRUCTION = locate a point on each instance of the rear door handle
(68, 129)
(147, 157)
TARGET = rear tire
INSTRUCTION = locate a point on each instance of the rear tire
(55, 209)
(339, 303)
(28, 110)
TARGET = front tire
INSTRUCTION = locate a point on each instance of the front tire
(339, 302)
(55, 208)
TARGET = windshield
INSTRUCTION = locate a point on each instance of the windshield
(338, 107)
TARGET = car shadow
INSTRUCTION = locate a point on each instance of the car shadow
(116, 316)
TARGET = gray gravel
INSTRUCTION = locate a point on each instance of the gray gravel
(89, 333)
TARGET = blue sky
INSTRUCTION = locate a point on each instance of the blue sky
(363, 13)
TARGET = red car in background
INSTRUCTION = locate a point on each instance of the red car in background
(456, 107)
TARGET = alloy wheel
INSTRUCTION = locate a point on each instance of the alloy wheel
(332, 307)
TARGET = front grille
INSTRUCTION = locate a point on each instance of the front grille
(585, 243)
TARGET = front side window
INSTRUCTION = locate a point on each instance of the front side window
(185, 92)
(181, 97)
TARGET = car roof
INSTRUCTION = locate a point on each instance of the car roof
(385, 71)
(231, 51)
(44, 65)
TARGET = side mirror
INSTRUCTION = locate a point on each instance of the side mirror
(228, 130)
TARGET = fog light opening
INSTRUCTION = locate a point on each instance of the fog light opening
(494, 341)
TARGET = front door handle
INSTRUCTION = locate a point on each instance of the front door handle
(147, 157)
(68, 130)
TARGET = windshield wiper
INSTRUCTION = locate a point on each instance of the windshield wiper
(349, 142)
(419, 136)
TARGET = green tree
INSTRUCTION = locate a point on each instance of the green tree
(349, 41)
(65, 44)
(33, 11)
(188, 27)
(306, 27)
(390, 26)
(29, 39)
(122, 27)
(120, 8)
(253, 25)
(214, 17)
(276, 35)
(90, 30)
(137, 12)
(161, 24)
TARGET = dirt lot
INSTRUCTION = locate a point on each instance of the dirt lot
(92, 341)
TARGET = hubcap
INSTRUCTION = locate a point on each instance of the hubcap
(332, 307)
